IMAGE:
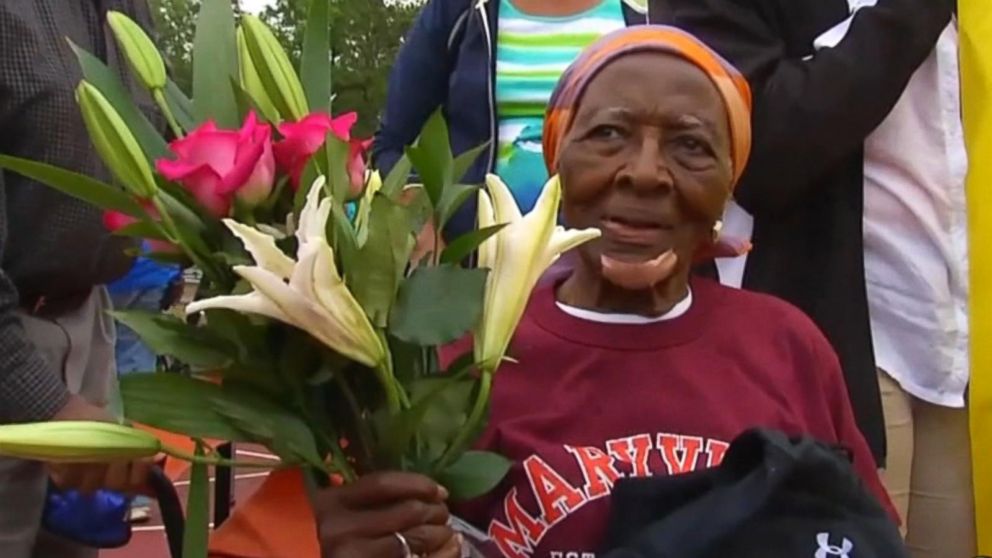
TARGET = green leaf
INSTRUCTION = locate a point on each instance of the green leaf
(166, 334)
(142, 229)
(464, 161)
(439, 410)
(282, 431)
(108, 82)
(168, 258)
(345, 241)
(337, 151)
(192, 232)
(74, 184)
(238, 330)
(452, 199)
(432, 158)
(242, 100)
(197, 530)
(179, 404)
(467, 243)
(315, 64)
(437, 305)
(398, 177)
(180, 105)
(447, 401)
(474, 474)
(215, 63)
(375, 272)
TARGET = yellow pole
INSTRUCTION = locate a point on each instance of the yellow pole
(975, 27)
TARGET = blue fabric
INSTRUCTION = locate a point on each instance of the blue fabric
(98, 520)
(429, 72)
(144, 274)
(131, 352)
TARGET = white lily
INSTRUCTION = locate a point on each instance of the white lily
(308, 292)
(517, 256)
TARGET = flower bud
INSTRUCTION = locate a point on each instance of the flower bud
(274, 68)
(114, 142)
(140, 50)
(76, 442)
(252, 84)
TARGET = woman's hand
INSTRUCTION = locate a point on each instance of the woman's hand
(362, 519)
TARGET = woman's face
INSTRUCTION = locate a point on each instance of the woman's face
(647, 160)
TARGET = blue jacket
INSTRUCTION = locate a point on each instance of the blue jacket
(448, 60)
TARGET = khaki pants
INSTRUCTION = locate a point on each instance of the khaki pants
(81, 345)
(929, 473)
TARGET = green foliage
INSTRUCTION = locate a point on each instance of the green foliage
(437, 305)
(365, 38)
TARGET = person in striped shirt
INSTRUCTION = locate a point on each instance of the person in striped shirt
(491, 66)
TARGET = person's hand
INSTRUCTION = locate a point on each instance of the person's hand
(128, 477)
(362, 519)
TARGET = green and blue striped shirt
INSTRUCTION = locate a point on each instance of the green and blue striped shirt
(531, 54)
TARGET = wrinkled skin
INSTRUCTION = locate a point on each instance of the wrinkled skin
(650, 166)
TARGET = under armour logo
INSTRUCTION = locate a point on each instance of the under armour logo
(827, 549)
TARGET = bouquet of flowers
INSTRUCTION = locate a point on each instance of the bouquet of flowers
(312, 333)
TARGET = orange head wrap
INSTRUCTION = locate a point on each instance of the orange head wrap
(573, 83)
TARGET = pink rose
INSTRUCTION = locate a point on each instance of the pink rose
(115, 221)
(303, 138)
(218, 165)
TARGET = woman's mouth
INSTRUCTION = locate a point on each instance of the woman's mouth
(623, 230)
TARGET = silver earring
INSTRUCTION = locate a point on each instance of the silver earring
(717, 227)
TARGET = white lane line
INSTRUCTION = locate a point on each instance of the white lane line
(236, 477)
(247, 453)
(154, 528)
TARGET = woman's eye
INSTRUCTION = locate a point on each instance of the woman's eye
(694, 146)
(606, 131)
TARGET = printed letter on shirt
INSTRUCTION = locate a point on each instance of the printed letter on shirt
(556, 497)
(672, 445)
(518, 539)
(634, 450)
(598, 470)
(715, 450)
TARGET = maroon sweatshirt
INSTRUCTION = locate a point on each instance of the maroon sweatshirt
(589, 403)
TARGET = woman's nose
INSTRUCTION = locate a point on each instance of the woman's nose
(646, 169)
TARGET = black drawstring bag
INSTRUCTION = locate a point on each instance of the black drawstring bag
(772, 497)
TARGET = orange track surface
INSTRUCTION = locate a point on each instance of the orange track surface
(148, 540)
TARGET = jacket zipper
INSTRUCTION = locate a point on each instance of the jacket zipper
(481, 7)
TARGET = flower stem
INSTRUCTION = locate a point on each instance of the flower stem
(170, 226)
(361, 427)
(164, 107)
(464, 437)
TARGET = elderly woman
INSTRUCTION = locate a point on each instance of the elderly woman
(626, 366)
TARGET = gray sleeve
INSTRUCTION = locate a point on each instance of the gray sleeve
(30, 390)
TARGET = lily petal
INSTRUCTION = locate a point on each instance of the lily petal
(487, 218)
(334, 297)
(251, 303)
(309, 217)
(297, 310)
(504, 206)
(563, 240)
(522, 252)
(263, 249)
